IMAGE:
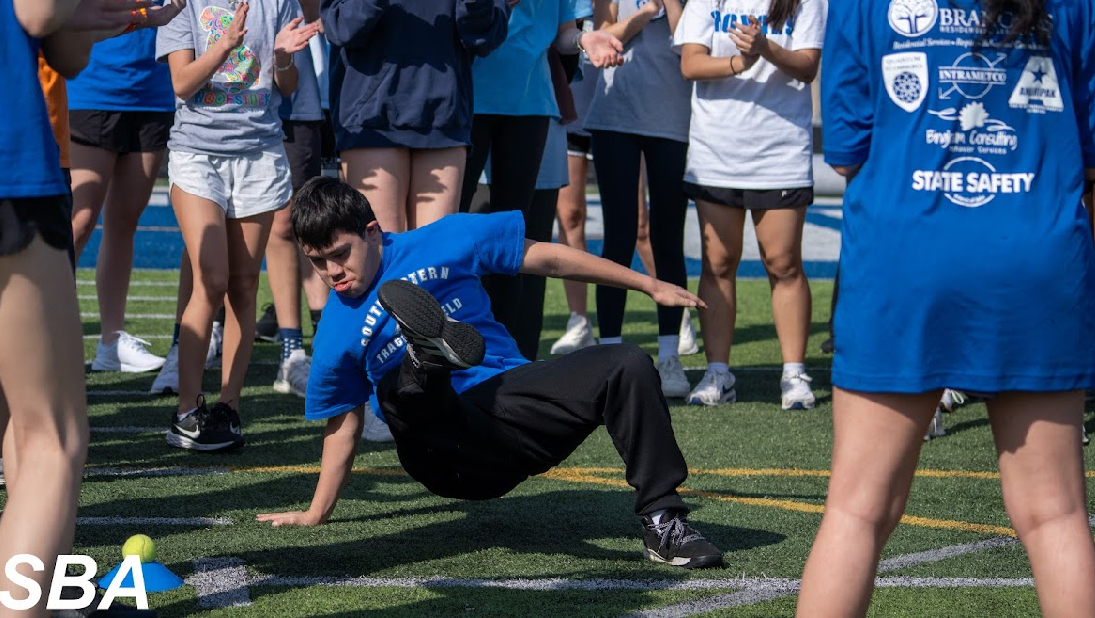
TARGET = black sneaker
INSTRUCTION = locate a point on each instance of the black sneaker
(230, 416)
(433, 339)
(266, 328)
(828, 346)
(203, 430)
(675, 542)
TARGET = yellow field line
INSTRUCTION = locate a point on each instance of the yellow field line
(590, 475)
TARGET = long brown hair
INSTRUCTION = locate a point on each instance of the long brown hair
(779, 11)
(1028, 19)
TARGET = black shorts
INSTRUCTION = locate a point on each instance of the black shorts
(751, 199)
(22, 218)
(303, 147)
(578, 145)
(121, 132)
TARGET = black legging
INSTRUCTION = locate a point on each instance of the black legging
(616, 160)
(515, 145)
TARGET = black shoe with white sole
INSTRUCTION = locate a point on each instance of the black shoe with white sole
(230, 415)
(676, 542)
(203, 430)
(434, 341)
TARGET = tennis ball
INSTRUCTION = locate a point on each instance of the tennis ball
(140, 545)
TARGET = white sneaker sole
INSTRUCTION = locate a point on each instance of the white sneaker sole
(98, 365)
(797, 405)
(568, 347)
(179, 441)
(730, 396)
(680, 392)
(286, 388)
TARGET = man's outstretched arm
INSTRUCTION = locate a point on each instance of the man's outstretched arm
(557, 260)
(340, 441)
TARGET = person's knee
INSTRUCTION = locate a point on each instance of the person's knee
(1029, 516)
(719, 267)
(572, 220)
(879, 516)
(213, 283)
(282, 228)
(631, 358)
(783, 266)
(63, 446)
(243, 285)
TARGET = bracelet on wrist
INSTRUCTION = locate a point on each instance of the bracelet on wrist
(578, 43)
(733, 71)
(286, 67)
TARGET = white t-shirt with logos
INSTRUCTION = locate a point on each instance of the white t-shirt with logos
(753, 130)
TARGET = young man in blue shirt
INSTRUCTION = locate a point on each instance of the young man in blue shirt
(410, 322)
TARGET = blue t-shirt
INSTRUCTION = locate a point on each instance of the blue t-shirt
(28, 152)
(123, 76)
(966, 256)
(358, 343)
(514, 80)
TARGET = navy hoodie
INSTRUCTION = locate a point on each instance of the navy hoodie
(401, 69)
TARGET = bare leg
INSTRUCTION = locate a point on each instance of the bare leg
(315, 291)
(779, 234)
(44, 405)
(383, 176)
(876, 443)
(92, 169)
(204, 232)
(642, 240)
(571, 211)
(436, 177)
(283, 269)
(130, 187)
(246, 244)
(720, 230)
(1042, 473)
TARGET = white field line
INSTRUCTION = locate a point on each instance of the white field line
(131, 298)
(152, 472)
(157, 284)
(153, 521)
(220, 582)
(87, 337)
(134, 316)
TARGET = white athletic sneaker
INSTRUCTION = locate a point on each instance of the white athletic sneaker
(951, 399)
(687, 345)
(375, 430)
(293, 373)
(796, 392)
(936, 429)
(674, 382)
(579, 335)
(716, 387)
(127, 353)
(167, 381)
(216, 346)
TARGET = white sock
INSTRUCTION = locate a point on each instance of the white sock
(667, 345)
(659, 515)
(793, 369)
(186, 414)
(611, 340)
(718, 367)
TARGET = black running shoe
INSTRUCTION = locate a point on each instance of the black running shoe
(266, 328)
(675, 542)
(433, 339)
(203, 430)
(828, 346)
(230, 416)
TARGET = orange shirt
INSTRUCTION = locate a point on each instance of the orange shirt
(53, 85)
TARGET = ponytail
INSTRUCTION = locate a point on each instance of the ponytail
(780, 12)
(1029, 19)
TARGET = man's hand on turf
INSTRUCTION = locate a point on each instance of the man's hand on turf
(669, 295)
(291, 518)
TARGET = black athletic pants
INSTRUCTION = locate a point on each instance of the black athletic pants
(515, 145)
(616, 159)
(483, 442)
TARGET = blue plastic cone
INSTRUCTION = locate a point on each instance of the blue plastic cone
(157, 578)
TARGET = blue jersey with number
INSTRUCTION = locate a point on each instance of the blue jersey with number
(358, 343)
(967, 260)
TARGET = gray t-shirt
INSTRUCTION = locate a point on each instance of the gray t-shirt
(646, 95)
(237, 111)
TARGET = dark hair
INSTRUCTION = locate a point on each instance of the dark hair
(780, 11)
(1028, 19)
(325, 206)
